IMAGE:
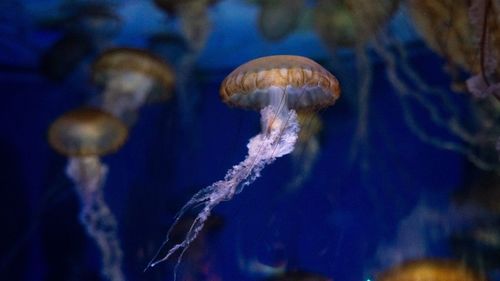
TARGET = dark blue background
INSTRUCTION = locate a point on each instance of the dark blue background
(332, 225)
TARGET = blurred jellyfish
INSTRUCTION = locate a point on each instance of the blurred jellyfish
(87, 27)
(175, 49)
(130, 78)
(354, 24)
(196, 26)
(84, 135)
(446, 27)
(431, 270)
(278, 18)
(277, 85)
(306, 149)
(195, 22)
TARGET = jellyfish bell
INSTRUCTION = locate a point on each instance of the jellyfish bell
(130, 78)
(431, 270)
(278, 18)
(277, 85)
(83, 135)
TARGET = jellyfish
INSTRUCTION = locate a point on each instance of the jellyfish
(278, 18)
(87, 27)
(468, 38)
(306, 149)
(84, 135)
(429, 269)
(195, 22)
(277, 85)
(196, 26)
(130, 78)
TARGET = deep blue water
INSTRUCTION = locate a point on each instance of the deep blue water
(332, 225)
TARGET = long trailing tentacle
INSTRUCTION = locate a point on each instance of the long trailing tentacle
(263, 149)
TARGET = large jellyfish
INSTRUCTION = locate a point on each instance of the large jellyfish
(83, 135)
(431, 270)
(278, 18)
(277, 85)
(130, 78)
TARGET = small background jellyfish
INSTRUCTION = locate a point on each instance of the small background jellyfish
(279, 18)
(84, 135)
(195, 26)
(87, 27)
(277, 85)
(130, 78)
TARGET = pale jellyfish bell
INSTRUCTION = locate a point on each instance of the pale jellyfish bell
(277, 86)
(130, 78)
(84, 135)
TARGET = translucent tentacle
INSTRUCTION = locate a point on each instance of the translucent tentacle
(263, 149)
(89, 175)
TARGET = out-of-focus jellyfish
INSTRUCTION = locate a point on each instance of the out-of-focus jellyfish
(130, 78)
(195, 21)
(84, 135)
(278, 18)
(431, 270)
(354, 24)
(467, 35)
(196, 26)
(277, 85)
(300, 276)
(447, 29)
(87, 26)
(307, 148)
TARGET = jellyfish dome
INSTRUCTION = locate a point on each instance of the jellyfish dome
(87, 132)
(130, 78)
(295, 82)
(83, 135)
(277, 85)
